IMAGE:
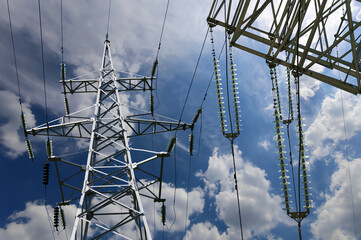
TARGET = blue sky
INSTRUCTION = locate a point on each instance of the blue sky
(134, 33)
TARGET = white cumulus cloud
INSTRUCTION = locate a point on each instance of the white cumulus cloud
(11, 129)
(335, 218)
(261, 210)
(327, 129)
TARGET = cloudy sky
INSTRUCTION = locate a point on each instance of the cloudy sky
(134, 32)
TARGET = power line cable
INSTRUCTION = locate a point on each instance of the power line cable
(162, 31)
(188, 181)
(348, 166)
(43, 67)
(155, 65)
(14, 53)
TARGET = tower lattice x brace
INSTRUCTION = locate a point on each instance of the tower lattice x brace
(104, 186)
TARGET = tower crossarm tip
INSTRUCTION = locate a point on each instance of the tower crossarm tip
(150, 126)
(73, 86)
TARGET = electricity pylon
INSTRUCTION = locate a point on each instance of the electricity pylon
(320, 39)
(104, 184)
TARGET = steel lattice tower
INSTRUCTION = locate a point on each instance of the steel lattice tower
(109, 200)
(306, 36)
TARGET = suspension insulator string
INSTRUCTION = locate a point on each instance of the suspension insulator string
(290, 103)
(283, 171)
(62, 217)
(46, 174)
(303, 176)
(218, 87)
(302, 179)
(56, 217)
(163, 213)
(235, 93)
(232, 135)
(191, 143)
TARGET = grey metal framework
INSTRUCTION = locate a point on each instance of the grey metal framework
(104, 185)
(327, 40)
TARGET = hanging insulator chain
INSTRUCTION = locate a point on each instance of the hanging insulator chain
(278, 92)
(23, 121)
(218, 87)
(171, 144)
(291, 117)
(63, 76)
(191, 143)
(62, 217)
(56, 217)
(66, 105)
(304, 177)
(30, 149)
(163, 211)
(235, 93)
(63, 71)
(46, 174)
(27, 141)
(151, 103)
(154, 69)
(49, 147)
(196, 116)
(280, 145)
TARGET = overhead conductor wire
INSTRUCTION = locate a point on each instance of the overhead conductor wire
(348, 161)
(226, 35)
(23, 121)
(155, 64)
(45, 101)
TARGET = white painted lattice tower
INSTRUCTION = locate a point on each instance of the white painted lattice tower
(109, 201)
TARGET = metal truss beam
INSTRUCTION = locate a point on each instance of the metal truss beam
(82, 128)
(73, 86)
(320, 39)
